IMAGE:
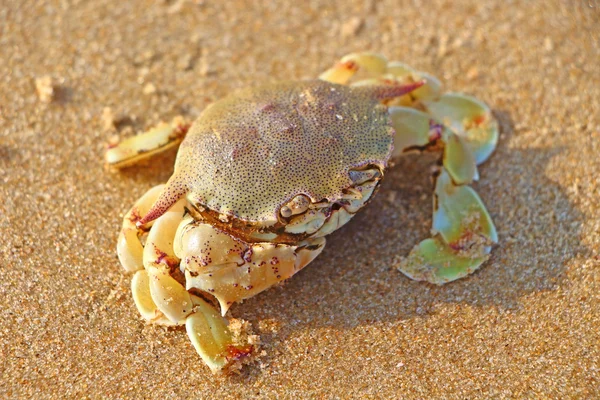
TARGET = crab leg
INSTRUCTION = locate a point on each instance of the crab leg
(220, 346)
(129, 247)
(462, 228)
(374, 64)
(465, 130)
(143, 146)
(162, 300)
(160, 297)
(375, 70)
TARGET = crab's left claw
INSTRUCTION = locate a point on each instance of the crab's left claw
(463, 229)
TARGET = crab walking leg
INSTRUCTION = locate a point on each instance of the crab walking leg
(377, 71)
(139, 147)
(220, 347)
(374, 64)
(462, 228)
(209, 332)
(468, 118)
(159, 243)
(163, 300)
(170, 297)
(129, 248)
(464, 233)
(140, 289)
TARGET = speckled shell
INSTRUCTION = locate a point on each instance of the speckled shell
(251, 152)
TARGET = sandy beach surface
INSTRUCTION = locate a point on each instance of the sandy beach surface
(526, 325)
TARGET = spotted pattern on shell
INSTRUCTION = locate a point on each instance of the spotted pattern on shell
(253, 151)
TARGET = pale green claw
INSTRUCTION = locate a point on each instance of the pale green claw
(469, 118)
(435, 262)
(458, 159)
(461, 218)
(412, 127)
(464, 235)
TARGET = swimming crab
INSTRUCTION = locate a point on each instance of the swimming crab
(265, 174)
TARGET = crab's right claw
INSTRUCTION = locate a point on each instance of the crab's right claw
(142, 146)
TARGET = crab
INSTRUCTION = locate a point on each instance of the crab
(266, 173)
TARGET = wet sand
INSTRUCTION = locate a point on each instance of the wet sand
(526, 325)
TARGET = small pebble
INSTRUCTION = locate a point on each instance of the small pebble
(45, 88)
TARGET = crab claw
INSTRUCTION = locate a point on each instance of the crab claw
(414, 129)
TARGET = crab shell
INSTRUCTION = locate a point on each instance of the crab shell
(256, 150)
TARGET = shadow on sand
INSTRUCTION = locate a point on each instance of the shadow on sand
(353, 282)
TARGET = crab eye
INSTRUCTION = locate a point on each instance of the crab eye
(297, 205)
(286, 212)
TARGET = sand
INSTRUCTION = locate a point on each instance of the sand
(524, 326)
